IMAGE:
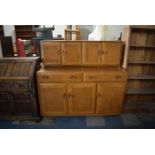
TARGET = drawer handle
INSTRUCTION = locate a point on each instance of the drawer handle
(118, 77)
(45, 77)
(73, 77)
(92, 77)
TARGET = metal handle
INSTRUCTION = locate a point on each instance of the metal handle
(63, 51)
(99, 95)
(91, 77)
(70, 95)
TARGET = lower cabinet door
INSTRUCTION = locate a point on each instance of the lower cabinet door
(53, 99)
(81, 98)
(110, 97)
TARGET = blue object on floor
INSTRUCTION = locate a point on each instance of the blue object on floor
(124, 121)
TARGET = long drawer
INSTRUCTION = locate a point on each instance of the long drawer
(59, 77)
(99, 77)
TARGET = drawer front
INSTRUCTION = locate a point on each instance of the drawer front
(92, 77)
(46, 78)
(7, 85)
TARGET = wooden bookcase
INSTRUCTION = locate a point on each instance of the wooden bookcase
(24, 32)
(1, 30)
(140, 41)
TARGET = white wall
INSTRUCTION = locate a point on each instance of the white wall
(114, 31)
(59, 29)
(9, 30)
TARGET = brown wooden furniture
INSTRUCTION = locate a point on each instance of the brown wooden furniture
(86, 53)
(69, 32)
(18, 95)
(24, 32)
(1, 30)
(140, 49)
(7, 46)
(68, 85)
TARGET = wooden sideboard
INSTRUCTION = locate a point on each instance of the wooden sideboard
(81, 78)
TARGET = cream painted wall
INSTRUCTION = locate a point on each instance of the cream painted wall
(114, 31)
(9, 30)
(59, 29)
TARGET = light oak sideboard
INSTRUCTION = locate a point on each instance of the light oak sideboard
(80, 78)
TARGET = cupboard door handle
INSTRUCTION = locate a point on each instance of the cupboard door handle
(64, 51)
(99, 95)
(70, 95)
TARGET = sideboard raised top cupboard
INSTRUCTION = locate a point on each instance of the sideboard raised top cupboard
(81, 78)
(81, 53)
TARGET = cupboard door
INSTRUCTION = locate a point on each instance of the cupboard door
(111, 53)
(71, 53)
(51, 53)
(110, 97)
(91, 53)
(53, 99)
(81, 98)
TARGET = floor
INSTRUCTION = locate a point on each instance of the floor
(124, 121)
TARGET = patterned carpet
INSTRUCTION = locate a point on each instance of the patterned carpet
(124, 121)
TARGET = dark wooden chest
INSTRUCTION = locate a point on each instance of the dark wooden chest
(18, 95)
